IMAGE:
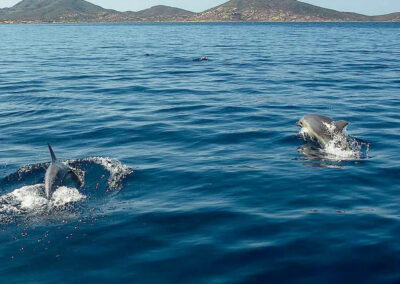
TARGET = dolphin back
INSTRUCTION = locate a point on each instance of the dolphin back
(53, 156)
(59, 174)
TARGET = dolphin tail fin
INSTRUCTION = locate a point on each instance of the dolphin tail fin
(71, 178)
(341, 125)
(53, 156)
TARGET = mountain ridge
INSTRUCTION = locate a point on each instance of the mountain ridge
(231, 11)
(55, 10)
(275, 11)
(161, 13)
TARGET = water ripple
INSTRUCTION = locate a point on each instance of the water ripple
(219, 193)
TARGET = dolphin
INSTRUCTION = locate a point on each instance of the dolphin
(203, 58)
(58, 174)
(323, 130)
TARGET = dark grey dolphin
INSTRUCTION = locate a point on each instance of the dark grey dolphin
(58, 174)
(203, 58)
(322, 129)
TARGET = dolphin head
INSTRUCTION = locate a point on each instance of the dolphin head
(301, 122)
(321, 129)
(316, 127)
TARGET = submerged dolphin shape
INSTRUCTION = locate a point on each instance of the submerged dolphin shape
(58, 174)
(323, 130)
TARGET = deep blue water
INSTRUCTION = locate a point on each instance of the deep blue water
(219, 191)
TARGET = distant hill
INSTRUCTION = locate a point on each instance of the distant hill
(394, 17)
(160, 14)
(232, 11)
(274, 11)
(56, 10)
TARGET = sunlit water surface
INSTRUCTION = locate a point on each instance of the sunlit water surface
(194, 171)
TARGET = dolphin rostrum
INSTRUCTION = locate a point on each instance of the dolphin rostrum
(58, 174)
(323, 130)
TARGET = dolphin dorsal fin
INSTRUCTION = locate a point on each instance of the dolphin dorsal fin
(341, 125)
(53, 156)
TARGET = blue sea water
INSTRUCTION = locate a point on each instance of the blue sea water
(194, 171)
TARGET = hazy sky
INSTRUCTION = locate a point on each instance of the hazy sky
(370, 7)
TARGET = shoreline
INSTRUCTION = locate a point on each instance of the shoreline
(7, 22)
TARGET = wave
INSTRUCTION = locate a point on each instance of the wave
(342, 146)
(26, 191)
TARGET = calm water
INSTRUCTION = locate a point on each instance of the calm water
(219, 192)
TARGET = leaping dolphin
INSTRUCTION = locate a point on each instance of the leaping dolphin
(323, 130)
(58, 174)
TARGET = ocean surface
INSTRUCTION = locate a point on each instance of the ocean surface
(194, 171)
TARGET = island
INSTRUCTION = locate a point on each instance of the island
(73, 11)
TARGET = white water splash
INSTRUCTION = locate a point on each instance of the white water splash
(65, 195)
(304, 133)
(340, 148)
(32, 199)
(117, 170)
